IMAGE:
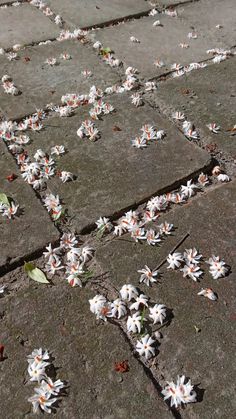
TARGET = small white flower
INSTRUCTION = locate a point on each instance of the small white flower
(58, 150)
(213, 128)
(135, 40)
(36, 371)
(192, 256)
(223, 178)
(192, 271)
(128, 292)
(2, 289)
(144, 347)
(192, 35)
(137, 99)
(179, 116)
(203, 179)
(179, 393)
(66, 176)
(157, 313)
(152, 237)
(150, 85)
(209, 293)
(189, 189)
(174, 260)
(97, 303)
(157, 23)
(139, 142)
(166, 228)
(52, 387)
(142, 300)
(218, 268)
(118, 308)
(41, 401)
(134, 324)
(104, 223)
(147, 275)
(51, 61)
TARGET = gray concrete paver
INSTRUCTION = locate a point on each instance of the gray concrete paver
(31, 231)
(211, 99)
(85, 355)
(41, 84)
(85, 14)
(25, 25)
(111, 174)
(162, 42)
(207, 357)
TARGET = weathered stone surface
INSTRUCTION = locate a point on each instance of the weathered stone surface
(111, 174)
(41, 84)
(23, 25)
(211, 98)
(84, 354)
(207, 356)
(32, 230)
(85, 14)
(162, 42)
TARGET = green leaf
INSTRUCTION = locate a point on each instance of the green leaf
(4, 199)
(100, 232)
(35, 273)
(105, 51)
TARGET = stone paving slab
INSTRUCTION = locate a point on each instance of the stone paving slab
(31, 231)
(86, 14)
(211, 98)
(162, 42)
(206, 357)
(25, 25)
(85, 355)
(41, 84)
(111, 174)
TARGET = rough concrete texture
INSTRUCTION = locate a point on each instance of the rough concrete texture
(86, 14)
(30, 26)
(32, 230)
(210, 97)
(41, 84)
(84, 355)
(162, 42)
(111, 174)
(207, 356)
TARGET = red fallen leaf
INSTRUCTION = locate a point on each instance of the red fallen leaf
(11, 177)
(27, 59)
(1, 352)
(122, 366)
(116, 128)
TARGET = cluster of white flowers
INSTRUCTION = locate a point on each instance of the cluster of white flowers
(137, 99)
(88, 130)
(8, 86)
(100, 108)
(188, 263)
(36, 173)
(134, 222)
(47, 11)
(48, 391)
(181, 70)
(220, 54)
(133, 314)
(218, 172)
(69, 257)
(52, 61)
(107, 55)
(149, 133)
(78, 33)
(53, 205)
(15, 4)
(9, 210)
(180, 393)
